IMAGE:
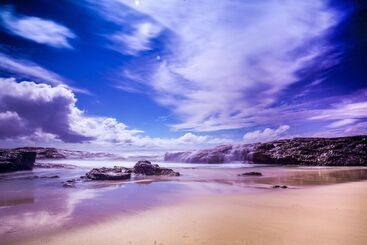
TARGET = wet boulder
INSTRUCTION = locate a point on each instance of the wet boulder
(251, 174)
(15, 161)
(147, 168)
(115, 173)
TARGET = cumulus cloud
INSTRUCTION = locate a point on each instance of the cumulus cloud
(267, 134)
(11, 124)
(32, 107)
(44, 113)
(36, 29)
(223, 67)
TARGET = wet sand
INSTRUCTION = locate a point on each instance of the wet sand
(204, 206)
(332, 214)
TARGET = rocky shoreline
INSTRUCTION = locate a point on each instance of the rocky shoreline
(342, 151)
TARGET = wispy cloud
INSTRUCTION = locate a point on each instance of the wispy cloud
(29, 69)
(226, 61)
(138, 40)
(36, 29)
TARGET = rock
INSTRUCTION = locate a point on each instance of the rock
(280, 186)
(122, 173)
(15, 161)
(344, 151)
(115, 173)
(50, 177)
(147, 168)
(69, 183)
(54, 153)
(341, 151)
(251, 174)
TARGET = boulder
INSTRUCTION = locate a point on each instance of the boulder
(280, 186)
(147, 168)
(15, 161)
(251, 174)
(115, 173)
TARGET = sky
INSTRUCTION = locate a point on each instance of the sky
(146, 75)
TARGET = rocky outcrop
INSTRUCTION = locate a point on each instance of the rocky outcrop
(147, 168)
(115, 173)
(54, 153)
(342, 151)
(42, 153)
(16, 161)
(121, 173)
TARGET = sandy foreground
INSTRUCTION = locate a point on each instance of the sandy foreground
(334, 214)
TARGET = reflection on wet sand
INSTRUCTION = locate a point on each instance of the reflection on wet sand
(30, 205)
(303, 177)
(16, 201)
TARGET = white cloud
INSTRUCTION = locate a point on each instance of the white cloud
(345, 115)
(229, 60)
(344, 110)
(267, 134)
(29, 69)
(342, 123)
(137, 41)
(42, 113)
(36, 29)
(37, 107)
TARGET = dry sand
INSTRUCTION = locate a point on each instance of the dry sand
(334, 214)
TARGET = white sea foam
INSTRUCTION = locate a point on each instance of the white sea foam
(220, 154)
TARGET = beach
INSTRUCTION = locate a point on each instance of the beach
(319, 215)
(208, 206)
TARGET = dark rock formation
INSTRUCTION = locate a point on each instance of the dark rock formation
(42, 153)
(280, 186)
(147, 168)
(121, 173)
(16, 161)
(251, 174)
(342, 151)
(115, 173)
(50, 177)
(54, 153)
